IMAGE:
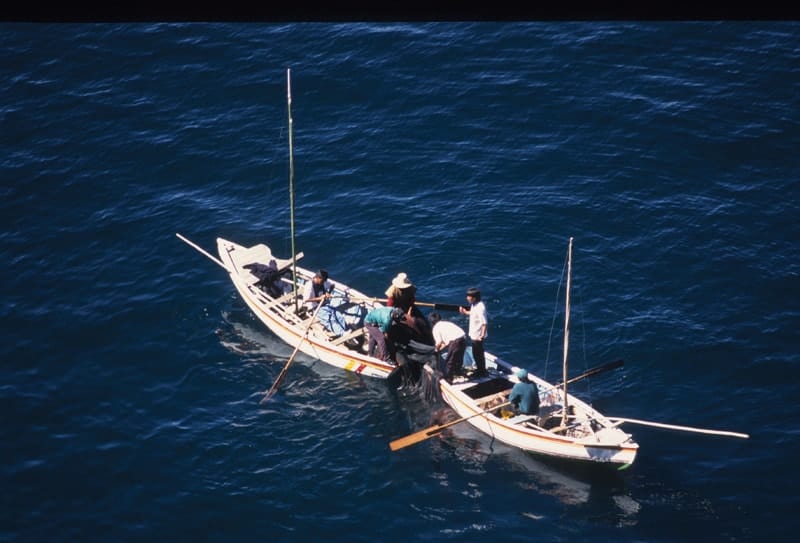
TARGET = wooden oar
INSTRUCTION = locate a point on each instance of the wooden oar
(431, 431)
(680, 428)
(422, 435)
(442, 307)
(282, 374)
(203, 251)
(588, 373)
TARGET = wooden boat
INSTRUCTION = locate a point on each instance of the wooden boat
(584, 434)
(564, 427)
(345, 350)
(272, 288)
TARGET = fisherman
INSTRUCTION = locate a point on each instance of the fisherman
(317, 290)
(450, 335)
(401, 293)
(478, 324)
(525, 395)
(379, 323)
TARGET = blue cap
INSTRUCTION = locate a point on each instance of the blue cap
(522, 375)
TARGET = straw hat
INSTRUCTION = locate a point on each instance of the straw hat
(402, 281)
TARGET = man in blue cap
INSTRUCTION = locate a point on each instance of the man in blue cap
(525, 395)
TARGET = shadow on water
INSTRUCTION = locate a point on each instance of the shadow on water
(598, 487)
(249, 339)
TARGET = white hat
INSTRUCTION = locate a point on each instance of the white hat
(401, 281)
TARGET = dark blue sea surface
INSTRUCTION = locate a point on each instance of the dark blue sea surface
(465, 154)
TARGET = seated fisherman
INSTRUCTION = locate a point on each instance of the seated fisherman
(317, 290)
(525, 395)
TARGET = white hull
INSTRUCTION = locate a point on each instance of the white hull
(590, 436)
(280, 318)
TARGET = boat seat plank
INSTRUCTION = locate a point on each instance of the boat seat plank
(358, 332)
(519, 419)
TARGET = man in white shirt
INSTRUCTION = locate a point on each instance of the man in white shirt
(448, 334)
(478, 325)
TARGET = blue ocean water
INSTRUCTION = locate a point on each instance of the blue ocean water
(465, 154)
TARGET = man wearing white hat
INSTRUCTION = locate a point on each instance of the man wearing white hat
(401, 293)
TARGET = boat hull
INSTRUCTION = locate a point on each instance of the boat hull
(592, 437)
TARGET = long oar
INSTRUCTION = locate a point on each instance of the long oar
(680, 428)
(588, 373)
(203, 251)
(442, 307)
(431, 431)
(282, 374)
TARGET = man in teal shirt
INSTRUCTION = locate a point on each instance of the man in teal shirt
(378, 323)
(525, 394)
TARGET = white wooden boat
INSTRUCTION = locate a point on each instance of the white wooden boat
(567, 429)
(587, 434)
(344, 351)
(564, 426)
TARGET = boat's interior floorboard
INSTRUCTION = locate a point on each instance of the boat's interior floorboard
(487, 388)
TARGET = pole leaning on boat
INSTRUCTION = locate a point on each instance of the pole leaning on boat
(291, 183)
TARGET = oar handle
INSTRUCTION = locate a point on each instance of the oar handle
(441, 307)
(203, 251)
(619, 420)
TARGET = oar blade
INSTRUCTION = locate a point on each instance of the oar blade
(415, 438)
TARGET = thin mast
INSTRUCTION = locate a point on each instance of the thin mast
(566, 333)
(291, 181)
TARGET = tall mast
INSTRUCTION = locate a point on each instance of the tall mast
(566, 332)
(291, 182)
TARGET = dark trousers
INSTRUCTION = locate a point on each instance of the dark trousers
(455, 357)
(385, 350)
(477, 355)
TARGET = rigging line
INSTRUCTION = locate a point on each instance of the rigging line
(555, 314)
(491, 443)
(582, 314)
